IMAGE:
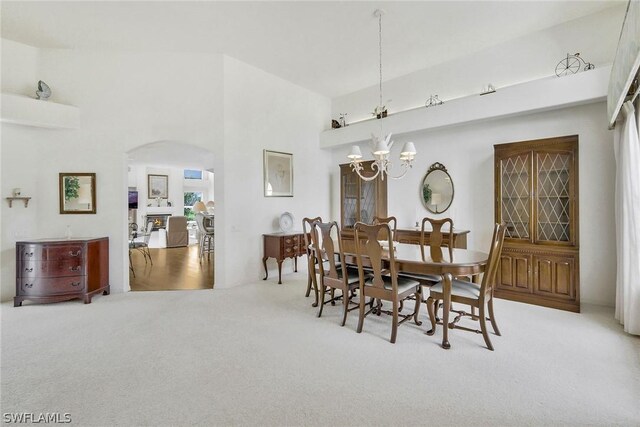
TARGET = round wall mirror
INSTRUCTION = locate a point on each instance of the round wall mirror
(436, 191)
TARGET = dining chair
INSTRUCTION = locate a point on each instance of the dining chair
(475, 295)
(307, 224)
(143, 246)
(387, 220)
(334, 275)
(436, 241)
(206, 236)
(382, 284)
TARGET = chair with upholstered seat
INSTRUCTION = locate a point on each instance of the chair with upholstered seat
(312, 283)
(177, 233)
(143, 246)
(382, 283)
(436, 241)
(475, 295)
(206, 233)
(333, 274)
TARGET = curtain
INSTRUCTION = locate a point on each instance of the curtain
(627, 211)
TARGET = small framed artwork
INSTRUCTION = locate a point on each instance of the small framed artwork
(278, 174)
(158, 186)
(77, 193)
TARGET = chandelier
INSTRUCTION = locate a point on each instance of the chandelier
(381, 146)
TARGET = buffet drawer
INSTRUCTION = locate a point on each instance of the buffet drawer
(59, 268)
(51, 286)
(50, 252)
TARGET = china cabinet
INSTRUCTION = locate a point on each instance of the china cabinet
(536, 196)
(360, 200)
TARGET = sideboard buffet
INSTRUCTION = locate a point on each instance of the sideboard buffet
(52, 270)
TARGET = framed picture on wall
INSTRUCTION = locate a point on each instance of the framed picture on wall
(158, 186)
(278, 174)
(77, 193)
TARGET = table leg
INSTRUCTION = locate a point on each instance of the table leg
(266, 272)
(279, 272)
(446, 290)
(295, 263)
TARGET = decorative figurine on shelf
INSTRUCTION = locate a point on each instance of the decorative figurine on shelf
(43, 92)
(433, 101)
(380, 112)
(335, 124)
(572, 64)
(343, 119)
(488, 89)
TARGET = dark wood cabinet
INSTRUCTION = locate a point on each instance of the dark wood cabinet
(360, 200)
(51, 270)
(282, 246)
(536, 196)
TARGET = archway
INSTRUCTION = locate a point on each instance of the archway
(165, 179)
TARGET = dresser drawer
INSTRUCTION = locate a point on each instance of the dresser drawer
(52, 286)
(58, 268)
(290, 240)
(49, 253)
(290, 250)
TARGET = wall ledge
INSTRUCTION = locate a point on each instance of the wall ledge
(25, 111)
(549, 93)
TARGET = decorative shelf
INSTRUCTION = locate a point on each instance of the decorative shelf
(546, 94)
(24, 199)
(22, 110)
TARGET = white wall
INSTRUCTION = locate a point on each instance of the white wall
(467, 152)
(19, 74)
(265, 112)
(523, 59)
(125, 100)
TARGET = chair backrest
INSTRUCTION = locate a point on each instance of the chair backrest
(133, 228)
(200, 223)
(491, 271)
(369, 252)
(147, 232)
(393, 224)
(436, 237)
(325, 236)
(307, 225)
(176, 223)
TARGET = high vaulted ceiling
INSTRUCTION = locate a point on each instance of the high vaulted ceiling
(328, 47)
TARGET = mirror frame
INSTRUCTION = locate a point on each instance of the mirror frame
(436, 167)
(63, 209)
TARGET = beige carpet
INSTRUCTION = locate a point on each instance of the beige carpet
(257, 355)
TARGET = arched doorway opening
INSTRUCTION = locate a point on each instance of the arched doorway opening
(170, 184)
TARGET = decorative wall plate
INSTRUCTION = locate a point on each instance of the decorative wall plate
(286, 221)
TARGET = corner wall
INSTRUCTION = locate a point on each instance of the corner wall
(263, 111)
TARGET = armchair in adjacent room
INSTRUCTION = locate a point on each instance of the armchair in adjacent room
(177, 233)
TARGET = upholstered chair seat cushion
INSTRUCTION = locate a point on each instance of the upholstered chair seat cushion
(403, 283)
(460, 288)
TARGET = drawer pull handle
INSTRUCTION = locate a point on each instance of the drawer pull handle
(28, 285)
(76, 268)
(71, 253)
(28, 270)
(29, 254)
(75, 283)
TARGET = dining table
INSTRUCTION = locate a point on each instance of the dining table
(442, 261)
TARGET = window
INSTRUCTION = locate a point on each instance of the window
(192, 174)
(190, 199)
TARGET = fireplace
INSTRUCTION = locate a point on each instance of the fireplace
(159, 221)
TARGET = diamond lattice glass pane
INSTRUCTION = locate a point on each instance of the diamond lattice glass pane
(553, 196)
(515, 196)
(350, 187)
(368, 201)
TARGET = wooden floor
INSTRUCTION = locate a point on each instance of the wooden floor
(172, 269)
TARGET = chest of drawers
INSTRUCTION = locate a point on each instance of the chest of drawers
(281, 246)
(51, 270)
